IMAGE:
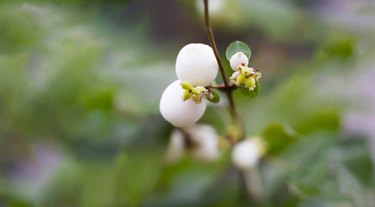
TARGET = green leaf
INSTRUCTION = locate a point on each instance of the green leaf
(237, 46)
(245, 91)
(133, 180)
(215, 97)
(278, 138)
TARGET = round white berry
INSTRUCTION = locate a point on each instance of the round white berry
(238, 59)
(196, 63)
(175, 110)
(216, 7)
(208, 142)
(176, 147)
(247, 153)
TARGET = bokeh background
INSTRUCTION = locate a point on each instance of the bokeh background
(80, 83)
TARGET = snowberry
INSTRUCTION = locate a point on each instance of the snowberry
(196, 63)
(216, 7)
(247, 153)
(175, 110)
(238, 59)
(208, 142)
(176, 147)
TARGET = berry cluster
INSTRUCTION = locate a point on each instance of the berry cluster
(199, 141)
(243, 75)
(183, 101)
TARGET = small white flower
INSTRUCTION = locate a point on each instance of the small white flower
(247, 153)
(196, 63)
(178, 112)
(238, 59)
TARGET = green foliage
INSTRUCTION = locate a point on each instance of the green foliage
(215, 97)
(340, 47)
(20, 29)
(237, 46)
(76, 81)
(278, 138)
(319, 173)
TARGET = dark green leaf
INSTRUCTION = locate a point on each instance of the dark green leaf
(237, 46)
(215, 97)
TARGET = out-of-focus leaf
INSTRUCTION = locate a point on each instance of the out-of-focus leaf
(237, 46)
(338, 47)
(196, 178)
(326, 202)
(67, 178)
(327, 120)
(137, 173)
(312, 169)
(21, 30)
(102, 100)
(357, 158)
(349, 185)
(278, 138)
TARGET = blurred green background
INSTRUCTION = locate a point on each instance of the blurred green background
(80, 83)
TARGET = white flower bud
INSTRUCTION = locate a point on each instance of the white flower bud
(176, 147)
(178, 112)
(238, 59)
(208, 142)
(196, 63)
(247, 153)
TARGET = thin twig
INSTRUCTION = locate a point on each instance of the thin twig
(228, 88)
(232, 107)
(222, 87)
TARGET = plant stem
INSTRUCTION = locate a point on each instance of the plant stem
(228, 89)
(222, 87)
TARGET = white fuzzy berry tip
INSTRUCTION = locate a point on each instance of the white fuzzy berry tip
(178, 112)
(196, 63)
(238, 59)
(247, 153)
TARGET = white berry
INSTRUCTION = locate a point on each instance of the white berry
(216, 7)
(196, 63)
(247, 153)
(238, 59)
(178, 112)
(208, 142)
(176, 147)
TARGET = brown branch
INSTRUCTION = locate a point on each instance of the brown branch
(232, 107)
(223, 87)
(228, 89)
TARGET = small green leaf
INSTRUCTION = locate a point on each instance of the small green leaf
(245, 91)
(237, 46)
(215, 98)
(278, 138)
